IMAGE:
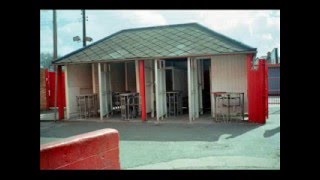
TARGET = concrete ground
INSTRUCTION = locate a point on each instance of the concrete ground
(176, 144)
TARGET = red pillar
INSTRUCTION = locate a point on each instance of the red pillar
(60, 93)
(142, 90)
(47, 88)
(249, 85)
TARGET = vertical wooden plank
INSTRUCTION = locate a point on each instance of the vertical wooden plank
(200, 82)
(67, 92)
(109, 87)
(100, 91)
(93, 79)
(157, 89)
(196, 87)
(190, 90)
(152, 90)
(164, 89)
(137, 76)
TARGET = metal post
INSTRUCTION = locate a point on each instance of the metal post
(55, 55)
(84, 27)
(55, 52)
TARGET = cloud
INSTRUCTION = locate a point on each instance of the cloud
(256, 28)
(143, 18)
(267, 36)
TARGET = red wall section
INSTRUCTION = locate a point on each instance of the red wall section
(257, 91)
(50, 86)
(94, 150)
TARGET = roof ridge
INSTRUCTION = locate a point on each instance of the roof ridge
(152, 27)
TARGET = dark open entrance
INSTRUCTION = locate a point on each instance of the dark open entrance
(177, 80)
(206, 98)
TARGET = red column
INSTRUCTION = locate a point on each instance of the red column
(249, 84)
(47, 88)
(267, 89)
(60, 93)
(142, 90)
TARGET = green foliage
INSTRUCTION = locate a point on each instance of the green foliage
(46, 60)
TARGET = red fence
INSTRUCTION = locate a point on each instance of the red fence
(90, 151)
(51, 89)
(258, 91)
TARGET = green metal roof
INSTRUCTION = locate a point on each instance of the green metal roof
(181, 40)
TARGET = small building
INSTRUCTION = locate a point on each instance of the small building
(150, 61)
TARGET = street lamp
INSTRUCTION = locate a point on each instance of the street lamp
(78, 39)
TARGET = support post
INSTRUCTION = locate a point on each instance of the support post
(142, 90)
(67, 92)
(190, 90)
(136, 62)
(93, 78)
(249, 85)
(100, 91)
(126, 75)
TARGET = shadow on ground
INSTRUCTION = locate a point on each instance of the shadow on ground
(269, 133)
(137, 131)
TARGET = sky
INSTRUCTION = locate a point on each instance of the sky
(256, 28)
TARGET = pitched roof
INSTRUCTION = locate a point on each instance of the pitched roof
(179, 40)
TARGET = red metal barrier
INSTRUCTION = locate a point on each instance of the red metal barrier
(50, 89)
(257, 91)
(94, 150)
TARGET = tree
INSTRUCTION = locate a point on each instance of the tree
(46, 60)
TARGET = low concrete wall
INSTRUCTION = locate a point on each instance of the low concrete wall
(94, 150)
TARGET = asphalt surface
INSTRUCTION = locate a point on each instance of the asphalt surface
(186, 146)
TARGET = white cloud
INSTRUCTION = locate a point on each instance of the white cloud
(267, 37)
(143, 17)
(256, 28)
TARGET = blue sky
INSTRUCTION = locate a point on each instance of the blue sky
(256, 28)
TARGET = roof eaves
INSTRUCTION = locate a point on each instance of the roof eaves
(227, 38)
(161, 57)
